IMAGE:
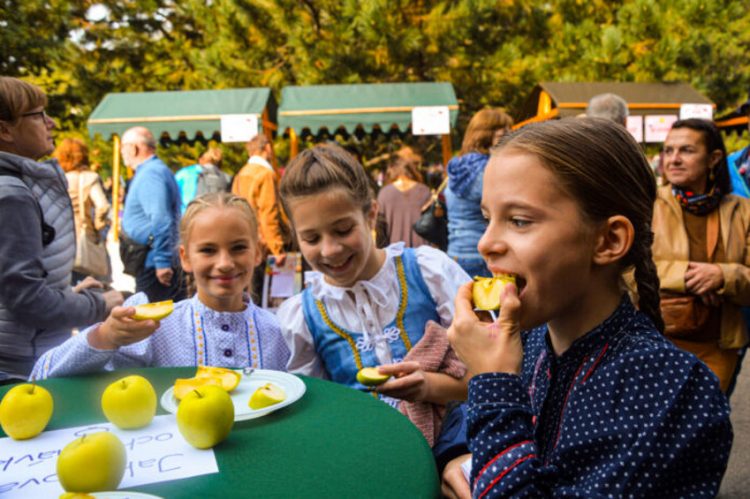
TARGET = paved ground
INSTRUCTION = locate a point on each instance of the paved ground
(736, 484)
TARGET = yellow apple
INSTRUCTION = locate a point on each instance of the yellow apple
(205, 416)
(76, 495)
(154, 311)
(487, 290)
(268, 394)
(92, 463)
(370, 376)
(129, 402)
(183, 386)
(25, 411)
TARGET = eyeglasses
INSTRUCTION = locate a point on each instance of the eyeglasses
(42, 114)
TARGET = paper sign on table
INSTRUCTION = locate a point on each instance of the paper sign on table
(156, 453)
(238, 127)
(430, 120)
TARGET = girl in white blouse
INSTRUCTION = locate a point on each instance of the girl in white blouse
(362, 306)
(219, 326)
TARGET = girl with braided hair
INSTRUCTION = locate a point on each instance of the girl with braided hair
(574, 391)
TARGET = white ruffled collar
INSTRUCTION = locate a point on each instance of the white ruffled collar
(376, 287)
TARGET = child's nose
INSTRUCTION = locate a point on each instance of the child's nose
(491, 242)
(330, 247)
(225, 260)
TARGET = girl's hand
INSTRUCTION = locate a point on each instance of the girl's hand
(120, 329)
(454, 484)
(410, 383)
(488, 347)
(700, 278)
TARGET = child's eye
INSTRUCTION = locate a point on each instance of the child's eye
(239, 247)
(207, 251)
(345, 231)
(519, 222)
(310, 239)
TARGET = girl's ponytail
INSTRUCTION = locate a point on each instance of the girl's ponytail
(647, 279)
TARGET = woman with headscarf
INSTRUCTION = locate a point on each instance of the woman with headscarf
(701, 248)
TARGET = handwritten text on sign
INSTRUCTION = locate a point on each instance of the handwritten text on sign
(156, 453)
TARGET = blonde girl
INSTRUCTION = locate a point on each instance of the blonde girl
(218, 326)
(362, 306)
(574, 391)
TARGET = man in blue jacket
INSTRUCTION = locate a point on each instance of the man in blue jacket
(152, 213)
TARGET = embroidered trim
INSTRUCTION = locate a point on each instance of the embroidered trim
(340, 332)
(200, 340)
(404, 300)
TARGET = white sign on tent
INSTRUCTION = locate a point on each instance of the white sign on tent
(430, 120)
(635, 127)
(658, 126)
(238, 127)
(702, 111)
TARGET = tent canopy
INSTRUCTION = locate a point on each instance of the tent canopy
(553, 99)
(189, 111)
(366, 105)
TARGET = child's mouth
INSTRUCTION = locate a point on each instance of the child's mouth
(338, 268)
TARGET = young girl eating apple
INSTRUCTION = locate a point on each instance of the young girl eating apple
(574, 391)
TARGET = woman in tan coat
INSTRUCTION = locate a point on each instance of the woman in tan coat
(73, 156)
(702, 248)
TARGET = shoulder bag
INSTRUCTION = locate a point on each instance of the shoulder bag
(432, 225)
(91, 256)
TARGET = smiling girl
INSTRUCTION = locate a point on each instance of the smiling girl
(219, 326)
(362, 306)
(590, 400)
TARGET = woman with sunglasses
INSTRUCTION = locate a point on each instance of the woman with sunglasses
(38, 307)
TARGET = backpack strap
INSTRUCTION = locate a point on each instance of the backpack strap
(48, 232)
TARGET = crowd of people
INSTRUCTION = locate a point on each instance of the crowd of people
(607, 373)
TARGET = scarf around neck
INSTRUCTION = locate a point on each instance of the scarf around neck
(698, 204)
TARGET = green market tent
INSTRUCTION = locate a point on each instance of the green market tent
(191, 111)
(561, 99)
(384, 105)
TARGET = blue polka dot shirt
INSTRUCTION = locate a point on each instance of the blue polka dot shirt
(621, 413)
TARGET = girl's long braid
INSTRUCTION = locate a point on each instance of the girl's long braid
(646, 277)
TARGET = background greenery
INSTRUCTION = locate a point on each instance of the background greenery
(493, 52)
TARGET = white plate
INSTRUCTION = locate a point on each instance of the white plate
(291, 384)
(123, 494)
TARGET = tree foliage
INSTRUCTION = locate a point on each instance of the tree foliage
(493, 51)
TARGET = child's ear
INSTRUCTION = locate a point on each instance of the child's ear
(372, 215)
(184, 261)
(258, 255)
(613, 240)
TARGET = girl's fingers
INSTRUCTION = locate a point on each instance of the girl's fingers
(510, 310)
(464, 306)
(122, 312)
(399, 368)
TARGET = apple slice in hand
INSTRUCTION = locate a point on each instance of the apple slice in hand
(267, 395)
(153, 311)
(370, 376)
(486, 291)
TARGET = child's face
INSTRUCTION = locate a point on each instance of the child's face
(537, 233)
(221, 252)
(335, 236)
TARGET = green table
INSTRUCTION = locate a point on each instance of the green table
(334, 442)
